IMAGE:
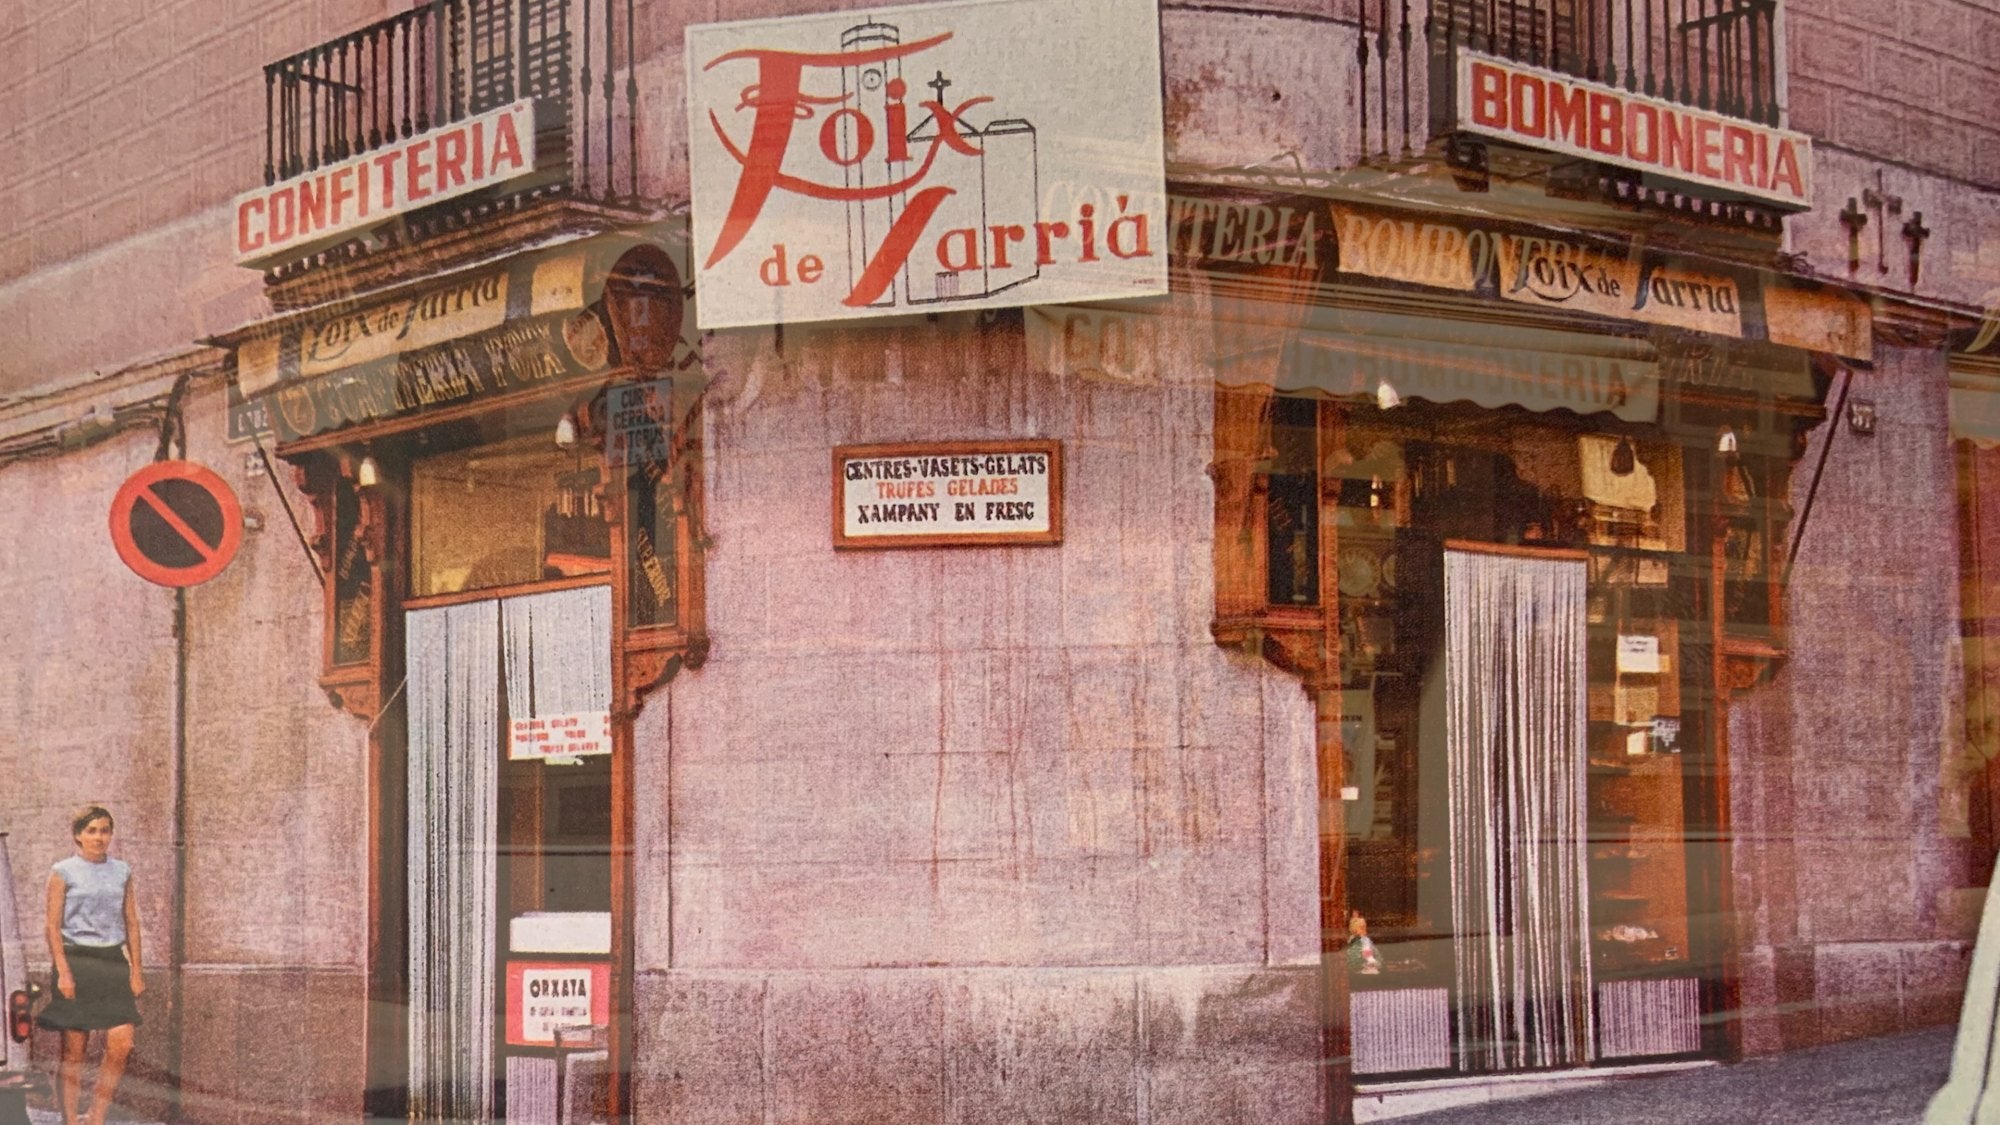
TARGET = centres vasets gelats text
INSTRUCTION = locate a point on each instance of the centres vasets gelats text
(904, 487)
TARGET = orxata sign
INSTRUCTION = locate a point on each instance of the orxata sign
(850, 166)
(1542, 109)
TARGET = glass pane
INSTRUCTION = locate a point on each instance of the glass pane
(504, 514)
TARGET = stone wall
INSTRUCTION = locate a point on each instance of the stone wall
(1851, 839)
(274, 886)
(973, 834)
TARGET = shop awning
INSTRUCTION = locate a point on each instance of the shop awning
(1348, 353)
(528, 321)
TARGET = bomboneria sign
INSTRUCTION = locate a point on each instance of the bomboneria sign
(907, 160)
(1542, 109)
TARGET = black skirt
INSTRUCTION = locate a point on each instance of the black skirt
(103, 991)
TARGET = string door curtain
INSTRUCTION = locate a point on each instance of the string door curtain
(558, 652)
(552, 654)
(454, 763)
(1516, 694)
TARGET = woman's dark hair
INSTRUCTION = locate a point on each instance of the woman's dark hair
(85, 815)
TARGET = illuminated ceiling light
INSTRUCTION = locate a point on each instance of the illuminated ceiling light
(1622, 460)
(367, 474)
(1726, 443)
(1386, 396)
(565, 433)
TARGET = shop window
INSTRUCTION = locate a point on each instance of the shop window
(506, 514)
(1516, 607)
(1292, 511)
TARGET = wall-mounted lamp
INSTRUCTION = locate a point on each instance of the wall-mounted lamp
(1386, 396)
(1623, 461)
(1725, 443)
(565, 432)
(367, 474)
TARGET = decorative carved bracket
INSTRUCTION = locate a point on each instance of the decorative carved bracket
(651, 668)
(1748, 664)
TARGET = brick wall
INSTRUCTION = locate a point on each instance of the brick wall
(1910, 81)
(124, 116)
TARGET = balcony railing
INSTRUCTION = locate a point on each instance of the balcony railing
(447, 60)
(1715, 55)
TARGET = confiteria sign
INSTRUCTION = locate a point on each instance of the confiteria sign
(1542, 109)
(308, 210)
(906, 160)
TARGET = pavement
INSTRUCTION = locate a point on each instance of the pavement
(1885, 1081)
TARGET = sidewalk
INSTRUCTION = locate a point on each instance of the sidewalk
(1884, 1081)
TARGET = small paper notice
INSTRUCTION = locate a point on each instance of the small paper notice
(1639, 654)
(560, 736)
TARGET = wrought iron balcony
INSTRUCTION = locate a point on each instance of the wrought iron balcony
(1719, 56)
(447, 61)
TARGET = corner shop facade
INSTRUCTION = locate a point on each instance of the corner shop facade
(1004, 810)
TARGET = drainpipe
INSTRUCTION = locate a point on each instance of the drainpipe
(173, 436)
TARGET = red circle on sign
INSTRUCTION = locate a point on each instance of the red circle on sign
(175, 523)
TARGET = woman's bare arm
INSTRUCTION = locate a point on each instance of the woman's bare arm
(132, 936)
(58, 892)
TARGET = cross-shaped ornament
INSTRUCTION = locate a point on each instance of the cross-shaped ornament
(1914, 233)
(939, 84)
(1854, 219)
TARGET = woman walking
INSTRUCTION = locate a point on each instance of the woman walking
(93, 932)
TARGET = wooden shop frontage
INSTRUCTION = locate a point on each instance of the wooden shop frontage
(502, 463)
(1512, 505)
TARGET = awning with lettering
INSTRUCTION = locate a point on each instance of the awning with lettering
(1580, 274)
(530, 321)
(1349, 353)
(353, 333)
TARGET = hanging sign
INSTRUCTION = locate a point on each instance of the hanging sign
(1588, 278)
(947, 494)
(359, 361)
(577, 735)
(1542, 109)
(543, 996)
(175, 523)
(641, 429)
(1221, 235)
(1413, 250)
(1542, 270)
(846, 166)
(294, 216)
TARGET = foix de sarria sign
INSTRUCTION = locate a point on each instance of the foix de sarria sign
(933, 157)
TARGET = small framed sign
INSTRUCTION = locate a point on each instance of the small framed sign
(544, 996)
(947, 494)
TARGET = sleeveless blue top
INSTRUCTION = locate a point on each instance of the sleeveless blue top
(94, 903)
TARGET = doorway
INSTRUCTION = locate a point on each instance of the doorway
(509, 848)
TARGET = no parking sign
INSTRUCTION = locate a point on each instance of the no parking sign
(175, 523)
